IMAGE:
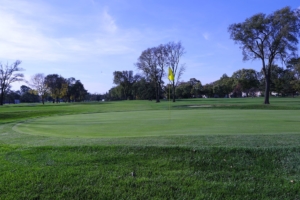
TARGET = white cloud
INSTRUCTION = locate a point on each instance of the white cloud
(108, 23)
(49, 39)
(22, 37)
(206, 36)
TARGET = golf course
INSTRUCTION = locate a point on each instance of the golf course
(211, 148)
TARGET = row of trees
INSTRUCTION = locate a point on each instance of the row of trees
(283, 82)
(268, 38)
(58, 87)
(52, 85)
(248, 82)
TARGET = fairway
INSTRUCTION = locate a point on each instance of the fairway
(163, 122)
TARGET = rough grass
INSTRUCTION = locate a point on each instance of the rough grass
(95, 172)
(239, 166)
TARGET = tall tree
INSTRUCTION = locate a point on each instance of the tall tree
(39, 84)
(175, 52)
(8, 75)
(125, 79)
(148, 64)
(268, 38)
(161, 55)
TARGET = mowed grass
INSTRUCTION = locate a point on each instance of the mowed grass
(206, 149)
(165, 122)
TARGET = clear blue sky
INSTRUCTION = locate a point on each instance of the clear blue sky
(90, 39)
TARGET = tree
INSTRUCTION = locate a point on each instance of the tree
(28, 95)
(152, 67)
(196, 87)
(247, 79)
(125, 79)
(70, 83)
(175, 52)
(276, 84)
(24, 89)
(39, 84)
(289, 79)
(208, 89)
(183, 90)
(143, 89)
(57, 86)
(8, 75)
(78, 92)
(227, 84)
(11, 96)
(268, 38)
(294, 65)
(115, 93)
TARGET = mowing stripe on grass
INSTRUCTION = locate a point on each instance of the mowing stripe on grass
(159, 123)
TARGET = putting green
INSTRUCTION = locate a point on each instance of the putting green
(154, 123)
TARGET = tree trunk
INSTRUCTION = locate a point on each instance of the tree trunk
(157, 93)
(1, 97)
(267, 89)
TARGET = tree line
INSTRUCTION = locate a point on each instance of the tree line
(268, 38)
(283, 82)
(242, 83)
(52, 87)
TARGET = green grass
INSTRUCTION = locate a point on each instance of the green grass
(222, 149)
(162, 123)
(163, 173)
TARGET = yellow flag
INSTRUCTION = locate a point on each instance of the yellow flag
(171, 75)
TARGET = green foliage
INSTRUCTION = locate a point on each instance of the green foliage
(183, 90)
(247, 79)
(144, 90)
(126, 80)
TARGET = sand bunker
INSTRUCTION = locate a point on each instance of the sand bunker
(200, 106)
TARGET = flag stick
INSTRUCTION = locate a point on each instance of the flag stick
(169, 104)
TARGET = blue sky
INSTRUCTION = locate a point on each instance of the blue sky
(90, 39)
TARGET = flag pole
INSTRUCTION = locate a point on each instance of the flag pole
(169, 103)
(171, 78)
